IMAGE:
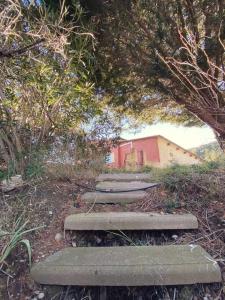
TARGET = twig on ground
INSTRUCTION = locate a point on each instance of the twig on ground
(5, 273)
(203, 237)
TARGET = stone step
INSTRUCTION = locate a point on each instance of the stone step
(113, 198)
(129, 221)
(128, 266)
(124, 177)
(114, 186)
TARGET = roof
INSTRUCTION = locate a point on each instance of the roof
(160, 136)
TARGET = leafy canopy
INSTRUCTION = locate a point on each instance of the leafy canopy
(163, 58)
(46, 86)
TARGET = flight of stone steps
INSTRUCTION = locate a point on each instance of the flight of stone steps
(127, 265)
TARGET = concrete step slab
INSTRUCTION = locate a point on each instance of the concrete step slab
(129, 221)
(124, 177)
(114, 186)
(113, 198)
(128, 266)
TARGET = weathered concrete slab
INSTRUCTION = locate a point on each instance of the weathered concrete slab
(123, 198)
(128, 266)
(123, 186)
(129, 221)
(124, 177)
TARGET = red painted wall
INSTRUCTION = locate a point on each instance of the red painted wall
(124, 148)
(149, 146)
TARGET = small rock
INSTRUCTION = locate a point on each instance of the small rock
(36, 292)
(98, 240)
(12, 183)
(41, 296)
(207, 297)
(174, 236)
(58, 237)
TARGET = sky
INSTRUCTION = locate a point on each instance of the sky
(186, 137)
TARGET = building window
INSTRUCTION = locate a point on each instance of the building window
(110, 158)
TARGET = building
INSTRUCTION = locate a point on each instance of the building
(155, 151)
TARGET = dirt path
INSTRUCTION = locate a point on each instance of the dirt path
(50, 202)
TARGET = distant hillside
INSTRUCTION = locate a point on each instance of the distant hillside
(209, 151)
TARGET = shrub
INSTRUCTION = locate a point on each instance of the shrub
(146, 169)
(34, 169)
(3, 174)
(10, 240)
(195, 184)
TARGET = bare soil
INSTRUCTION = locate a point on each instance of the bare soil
(48, 203)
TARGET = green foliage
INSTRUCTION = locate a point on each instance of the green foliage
(3, 174)
(188, 186)
(6, 173)
(51, 91)
(210, 152)
(35, 167)
(13, 239)
(124, 170)
(155, 58)
(193, 185)
(146, 169)
(171, 176)
(171, 205)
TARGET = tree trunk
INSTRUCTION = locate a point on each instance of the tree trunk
(215, 122)
(4, 155)
(221, 140)
(11, 149)
(218, 127)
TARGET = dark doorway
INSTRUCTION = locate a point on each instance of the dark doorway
(140, 158)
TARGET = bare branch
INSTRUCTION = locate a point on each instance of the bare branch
(20, 51)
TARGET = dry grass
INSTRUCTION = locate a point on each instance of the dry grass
(201, 193)
(80, 169)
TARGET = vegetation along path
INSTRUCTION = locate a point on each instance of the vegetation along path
(133, 265)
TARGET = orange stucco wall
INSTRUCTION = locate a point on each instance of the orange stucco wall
(172, 154)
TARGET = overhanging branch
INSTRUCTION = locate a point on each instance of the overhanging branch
(12, 53)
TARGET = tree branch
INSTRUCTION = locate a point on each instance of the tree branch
(12, 53)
